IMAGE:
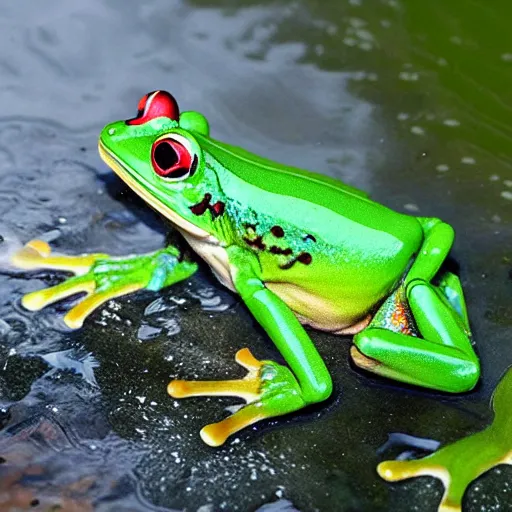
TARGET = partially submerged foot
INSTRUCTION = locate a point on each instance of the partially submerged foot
(458, 464)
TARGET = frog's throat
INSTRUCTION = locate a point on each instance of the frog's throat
(181, 223)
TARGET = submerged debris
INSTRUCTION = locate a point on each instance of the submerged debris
(83, 366)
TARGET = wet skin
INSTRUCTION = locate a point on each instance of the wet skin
(299, 248)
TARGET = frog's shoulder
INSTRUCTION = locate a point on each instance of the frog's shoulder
(267, 174)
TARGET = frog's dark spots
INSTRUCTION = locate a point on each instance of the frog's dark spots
(216, 209)
(34, 503)
(256, 242)
(310, 237)
(277, 250)
(249, 240)
(193, 167)
(305, 258)
(277, 231)
(288, 264)
(200, 208)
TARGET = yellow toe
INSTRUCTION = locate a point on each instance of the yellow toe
(216, 434)
(245, 358)
(39, 246)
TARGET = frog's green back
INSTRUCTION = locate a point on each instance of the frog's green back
(272, 176)
(303, 190)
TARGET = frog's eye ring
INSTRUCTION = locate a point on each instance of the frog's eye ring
(155, 104)
(172, 159)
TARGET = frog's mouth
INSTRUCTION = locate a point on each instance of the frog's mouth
(143, 191)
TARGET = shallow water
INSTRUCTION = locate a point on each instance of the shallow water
(409, 101)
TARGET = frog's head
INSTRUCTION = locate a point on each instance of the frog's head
(158, 155)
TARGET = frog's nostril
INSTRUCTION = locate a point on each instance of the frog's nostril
(156, 104)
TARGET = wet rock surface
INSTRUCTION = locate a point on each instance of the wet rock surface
(409, 103)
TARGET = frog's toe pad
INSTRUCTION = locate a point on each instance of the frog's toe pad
(213, 436)
(394, 471)
(31, 255)
(216, 434)
(180, 389)
(245, 358)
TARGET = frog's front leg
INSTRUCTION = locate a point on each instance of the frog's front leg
(440, 354)
(269, 388)
(100, 276)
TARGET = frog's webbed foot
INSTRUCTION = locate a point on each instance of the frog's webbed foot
(100, 276)
(269, 389)
(458, 464)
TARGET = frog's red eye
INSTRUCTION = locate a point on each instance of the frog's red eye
(156, 104)
(172, 160)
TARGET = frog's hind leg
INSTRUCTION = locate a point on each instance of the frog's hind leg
(449, 285)
(434, 350)
(419, 338)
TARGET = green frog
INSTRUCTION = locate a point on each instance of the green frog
(299, 248)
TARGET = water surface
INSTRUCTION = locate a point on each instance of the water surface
(409, 101)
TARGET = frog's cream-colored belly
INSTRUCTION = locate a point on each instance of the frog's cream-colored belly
(310, 309)
(317, 311)
(215, 255)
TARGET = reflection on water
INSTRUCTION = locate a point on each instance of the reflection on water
(67, 360)
(407, 100)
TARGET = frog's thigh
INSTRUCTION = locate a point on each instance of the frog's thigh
(431, 348)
